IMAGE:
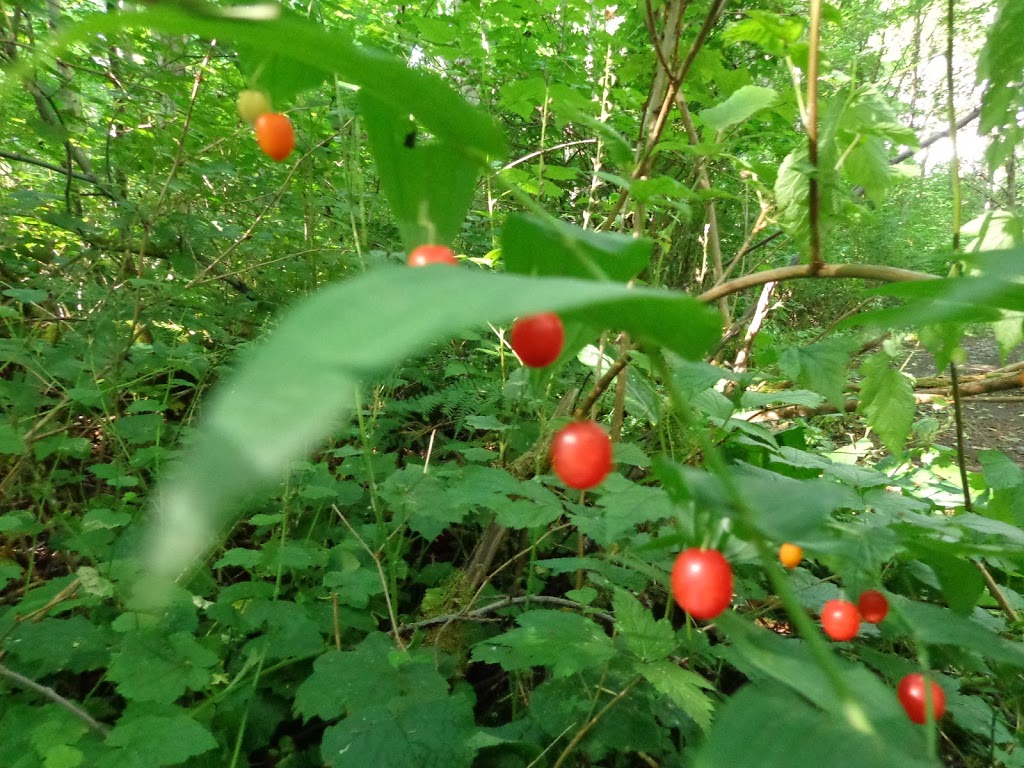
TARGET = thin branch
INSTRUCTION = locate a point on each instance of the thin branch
(714, 242)
(582, 732)
(479, 614)
(997, 593)
(963, 122)
(282, 188)
(380, 572)
(961, 439)
(540, 152)
(602, 385)
(800, 271)
(675, 80)
(88, 178)
(56, 698)
(813, 66)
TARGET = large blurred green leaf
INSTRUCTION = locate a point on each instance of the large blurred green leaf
(787, 663)
(936, 625)
(790, 732)
(290, 391)
(302, 43)
(995, 282)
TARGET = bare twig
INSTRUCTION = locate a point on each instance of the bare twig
(997, 593)
(89, 178)
(480, 614)
(336, 621)
(800, 271)
(602, 385)
(961, 441)
(582, 732)
(65, 594)
(56, 698)
(814, 201)
(380, 572)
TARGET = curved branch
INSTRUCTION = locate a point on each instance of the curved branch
(55, 697)
(800, 271)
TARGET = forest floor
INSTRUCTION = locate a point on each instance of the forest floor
(990, 422)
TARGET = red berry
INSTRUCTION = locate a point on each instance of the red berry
(275, 136)
(911, 695)
(840, 619)
(873, 606)
(702, 582)
(538, 339)
(423, 255)
(581, 455)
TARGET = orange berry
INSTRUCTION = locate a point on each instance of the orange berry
(275, 135)
(790, 555)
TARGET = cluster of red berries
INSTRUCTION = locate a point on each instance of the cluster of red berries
(274, 132)
(581, 452)
(702, 582)
(841, 619)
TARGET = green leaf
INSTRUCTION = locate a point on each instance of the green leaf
(415, 730)
(620, 510)
(1001, 67)
(943, 341)
(398, 710)
(409, 172)
(961, 581)
(239, 557)
(790, 510)
(740, 107)
(821, 367)
(887, 401)
(541, 246)
(288, 629)
(291, 391)
(773, 32)
(342, 680)
(791, 194)
(935, 625)
(22, 521)
(63, 756)
(157, 668)
(800, 737)
(11, 441)
(647, 638)
(566, 642)
(162, 735)
(422, 500)
(682, 687)
(867, 165)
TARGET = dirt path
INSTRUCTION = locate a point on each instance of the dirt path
(988, 423)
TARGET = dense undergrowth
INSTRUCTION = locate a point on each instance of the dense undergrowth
(272, 498)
